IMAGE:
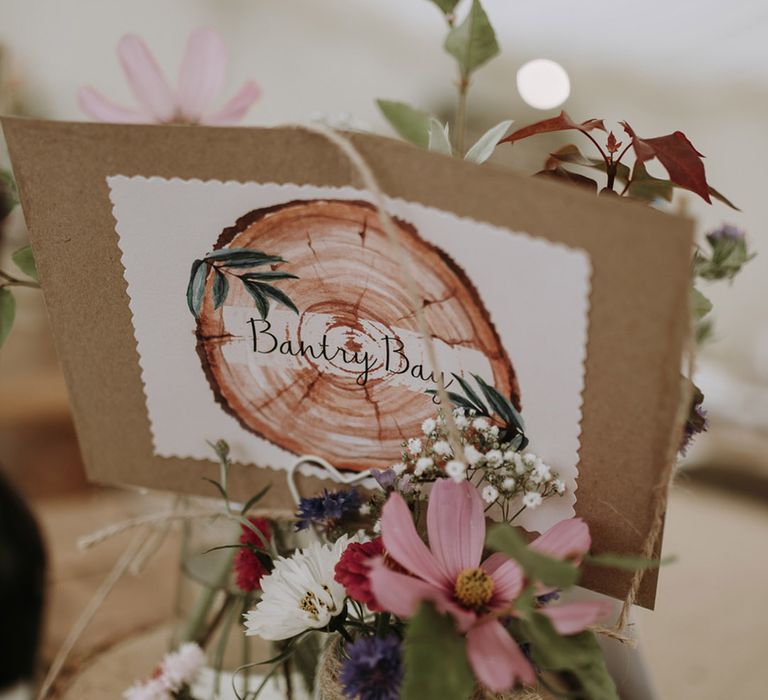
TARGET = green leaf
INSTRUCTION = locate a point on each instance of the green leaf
(412, 124)
(196, 286)
(279, 296)
(436, 666)
(447, 6)
(305, 657)
(473, 42)
(500, 403)
(646, 187)
(25, 261)
(253, 500)
(626, 562)
(439, 142)
(502, 537)
(220, 289)
(579, 654)
(7, 313)
(700, 305)
(262, 303)
(486, 144)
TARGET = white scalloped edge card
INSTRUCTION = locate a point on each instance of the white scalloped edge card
(326, 358)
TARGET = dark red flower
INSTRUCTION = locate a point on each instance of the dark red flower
(248, 567)
(352, 570)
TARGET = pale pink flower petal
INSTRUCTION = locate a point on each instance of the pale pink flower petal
(404, 545)
(575, 617)
(401, 594)
(456, 525)
(202, 73)
(508, 578)
(94, 104)
(146, 79)
(237, 107)
(496, 659)
(568, 539)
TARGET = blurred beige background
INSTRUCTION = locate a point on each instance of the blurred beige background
(700, 66)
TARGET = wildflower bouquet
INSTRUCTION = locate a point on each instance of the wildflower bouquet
(417, 592)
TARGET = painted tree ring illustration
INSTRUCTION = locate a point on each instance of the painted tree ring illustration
(355, 388)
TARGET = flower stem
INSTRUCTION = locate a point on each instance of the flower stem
(461, 114)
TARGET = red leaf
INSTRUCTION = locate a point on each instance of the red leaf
(562, 122)
(677, 154)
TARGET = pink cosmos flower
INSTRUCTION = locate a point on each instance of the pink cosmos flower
(201, 78)
(450, 574)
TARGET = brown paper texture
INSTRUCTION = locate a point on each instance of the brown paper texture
(637, 314)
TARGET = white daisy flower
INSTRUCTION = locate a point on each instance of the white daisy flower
(300, 593)
(414, 446)
(472, 454)
(494, 458)
(180, 667)
(532, 499)
(428, 426)
(490, 494)
(442, 448)
(456, 470)
(422, 464)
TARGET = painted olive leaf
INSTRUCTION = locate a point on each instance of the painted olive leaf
(196, 287)
(220, 289)
(227, 262)
(7, 313)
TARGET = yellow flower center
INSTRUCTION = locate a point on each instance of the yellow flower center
(473, 588)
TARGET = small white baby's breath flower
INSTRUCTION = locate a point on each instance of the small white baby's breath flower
(399, 468)
(542, 470)
(414, 446)
(422, 464)
(473, 455)
(529, 459)
(480, 424)
(559, 485)
(532, 499)
(460, 419)
(494, 431)
(519, 465)
(456, 470)
(428, 426)
(489, 493)
(508, 484)
(494, 458)
(509, 456)
(442, 448)
(377, 527)
(364, 509)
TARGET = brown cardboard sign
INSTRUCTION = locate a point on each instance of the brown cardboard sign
(207, 283)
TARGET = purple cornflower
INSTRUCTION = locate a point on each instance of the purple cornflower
(329, 507)
(373, 669)
(548, 597)
(726, 232)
